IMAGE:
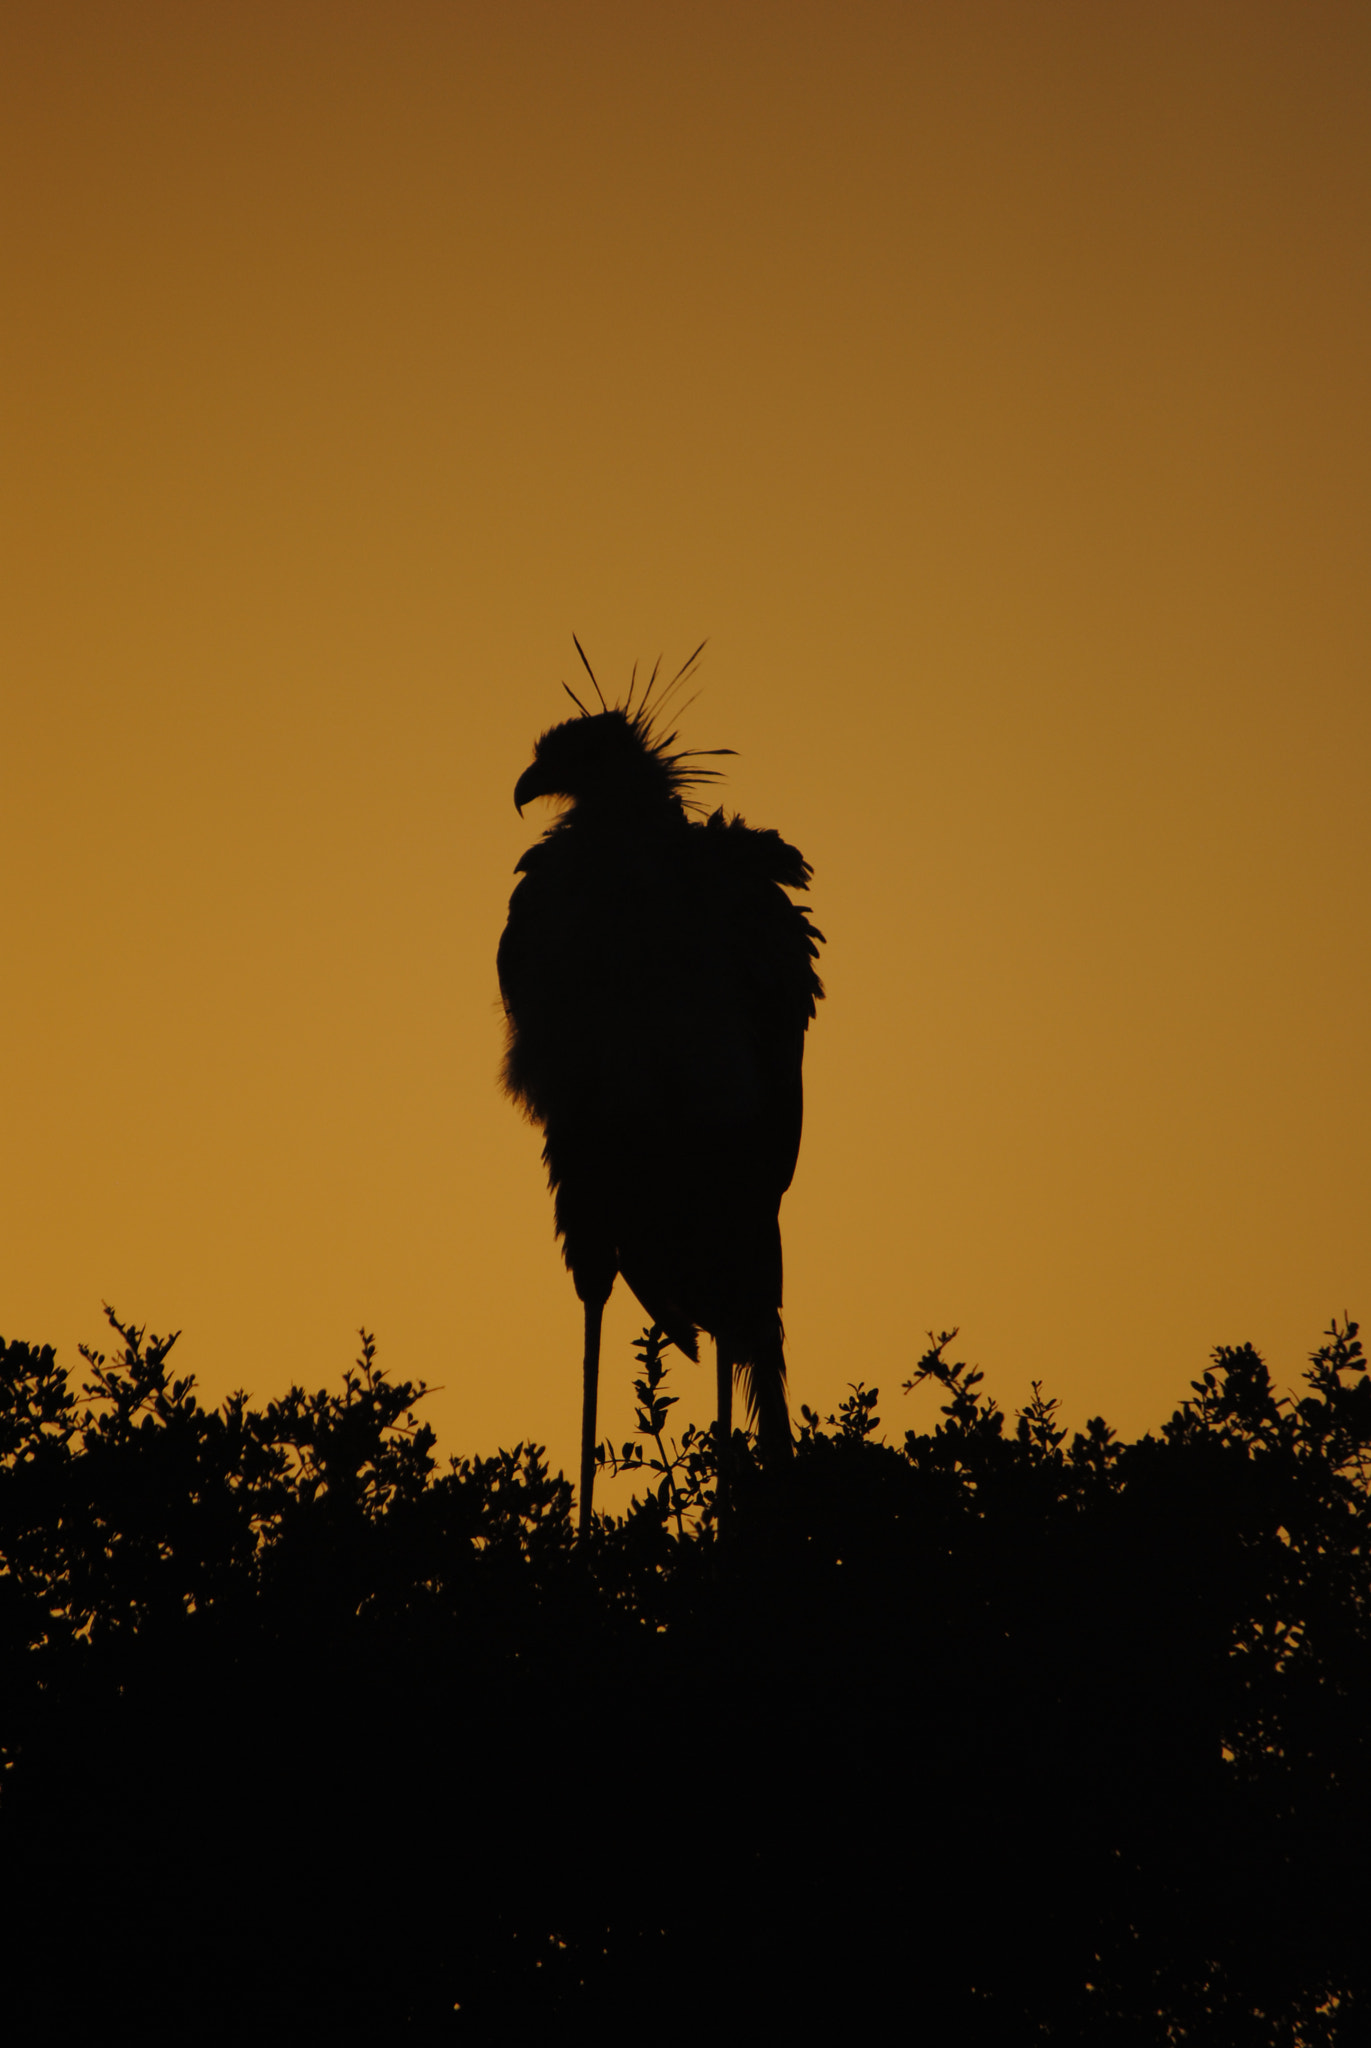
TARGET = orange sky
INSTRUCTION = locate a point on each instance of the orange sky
(988, 382)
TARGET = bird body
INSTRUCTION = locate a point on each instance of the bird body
(658, 983)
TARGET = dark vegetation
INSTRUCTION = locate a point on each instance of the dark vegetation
(984, 1737)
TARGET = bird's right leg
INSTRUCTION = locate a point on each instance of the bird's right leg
(723, 1354)
(590, 1381)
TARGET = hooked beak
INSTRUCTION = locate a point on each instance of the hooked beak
(530, 784)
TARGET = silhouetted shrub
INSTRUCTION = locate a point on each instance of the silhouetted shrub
(986, 1735)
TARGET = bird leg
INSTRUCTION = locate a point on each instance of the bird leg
(724, 1360)
(590, 1382)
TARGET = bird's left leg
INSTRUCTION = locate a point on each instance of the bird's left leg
(590, 1382)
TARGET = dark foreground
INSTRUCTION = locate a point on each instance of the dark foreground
(983, 1738)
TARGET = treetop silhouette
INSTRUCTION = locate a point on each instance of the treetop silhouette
(1043, 1737)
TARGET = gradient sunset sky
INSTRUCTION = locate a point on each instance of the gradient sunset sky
(988, 383)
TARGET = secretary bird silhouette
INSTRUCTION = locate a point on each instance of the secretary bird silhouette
(658, 983)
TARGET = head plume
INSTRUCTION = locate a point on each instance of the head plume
(620, 754)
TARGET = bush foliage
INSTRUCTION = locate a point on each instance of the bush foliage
(1013, 1738)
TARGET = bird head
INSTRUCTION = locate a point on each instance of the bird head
(614, 758)
(589, 758)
